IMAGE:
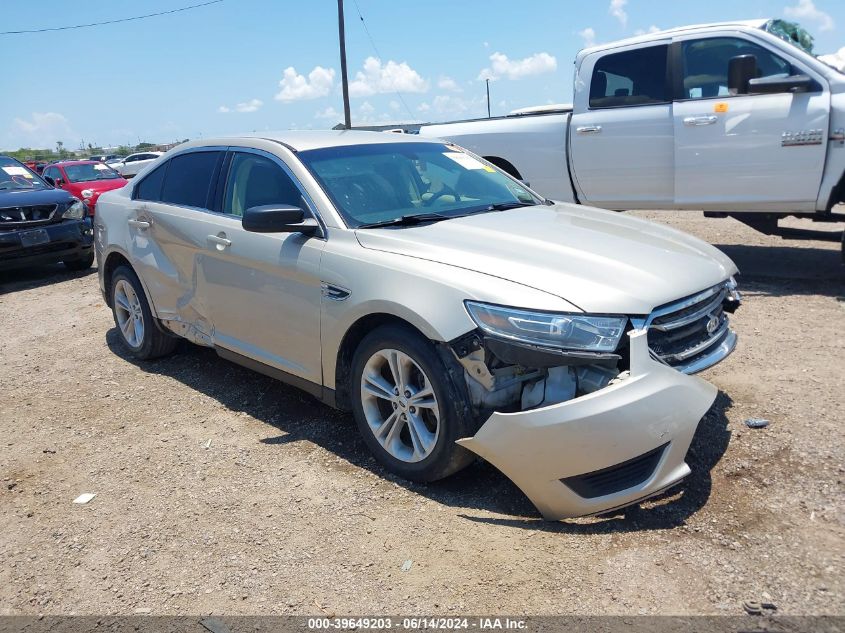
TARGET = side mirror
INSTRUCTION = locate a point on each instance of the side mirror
(772, 85)
(741, 70)
(279, 218)
(59, 182)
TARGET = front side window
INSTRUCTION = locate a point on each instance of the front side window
(90, 172)
(705, 65)
(630, 78)
(256, 181)
(188, 179)
(380, 182)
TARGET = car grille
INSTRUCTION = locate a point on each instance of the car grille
(14, 217)
(682, 332)
(616, 478)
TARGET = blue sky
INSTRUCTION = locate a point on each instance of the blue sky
(244, 65)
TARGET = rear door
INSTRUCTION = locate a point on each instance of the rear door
(621, 130)
(262, 290)
(745, 152)
(170, 219)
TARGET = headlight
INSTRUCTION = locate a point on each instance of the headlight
(565, 331)
(76, 211)
(87, 193)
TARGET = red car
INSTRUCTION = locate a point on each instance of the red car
(85, 179)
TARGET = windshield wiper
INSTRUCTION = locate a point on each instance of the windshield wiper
(504, 206)
(408, 220)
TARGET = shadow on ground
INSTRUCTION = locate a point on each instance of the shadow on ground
(38, 276)
(292, 416)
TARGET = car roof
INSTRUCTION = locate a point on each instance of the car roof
(303, 140)
(66, 163)
(657, 35)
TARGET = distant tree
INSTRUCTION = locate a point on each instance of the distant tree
(140, 147)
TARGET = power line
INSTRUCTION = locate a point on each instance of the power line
(375, 48)
(137, 17)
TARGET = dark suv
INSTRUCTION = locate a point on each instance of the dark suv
(40, 224)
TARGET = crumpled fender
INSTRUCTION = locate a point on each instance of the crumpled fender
(655, 406)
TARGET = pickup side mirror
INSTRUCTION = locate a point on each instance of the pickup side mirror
(741, 70)
(279, 218)
(772, 85)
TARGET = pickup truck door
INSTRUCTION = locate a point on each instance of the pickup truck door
(262, 290)
(744, 152)
(620, 135)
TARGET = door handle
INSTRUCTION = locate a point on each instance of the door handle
(696, 121)
(588, 129)
(220, 241)
(139, 224)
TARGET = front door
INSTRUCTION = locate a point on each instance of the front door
(621, 133)
(262, 290)
(745, 152)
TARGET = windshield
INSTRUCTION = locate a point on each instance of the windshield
(371, 184)
(89, 172)
(13, 175)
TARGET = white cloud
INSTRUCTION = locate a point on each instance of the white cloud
(589, 36)
(447, 83)
(617, 10)
(366, 108)
(379, 78)
(394, 105)
(837, 59)
(42, 130)
(223, 110)
(501, 66)
(249, 106)
(296, 87)
(328, 113)
(423, 107)
(807, 11)
(451, 105)
(651, 29)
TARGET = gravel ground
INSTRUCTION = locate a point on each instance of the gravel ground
(221, 491)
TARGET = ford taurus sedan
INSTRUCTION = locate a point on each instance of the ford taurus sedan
(451, 309)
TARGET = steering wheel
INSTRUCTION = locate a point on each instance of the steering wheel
(445, 191)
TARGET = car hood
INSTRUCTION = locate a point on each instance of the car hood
(600, 261)
(100, 186)
(33, 197)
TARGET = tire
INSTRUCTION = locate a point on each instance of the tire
(83, 263)
(420, 446)
(128, 303)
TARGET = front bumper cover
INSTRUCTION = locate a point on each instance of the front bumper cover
(648, 418)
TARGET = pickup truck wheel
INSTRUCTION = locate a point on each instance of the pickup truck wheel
(83, 263)
(408, 408)
(139, 333)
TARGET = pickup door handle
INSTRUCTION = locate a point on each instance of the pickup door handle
(220, 241)
(139, 224)
(695, 121)
(588, 129)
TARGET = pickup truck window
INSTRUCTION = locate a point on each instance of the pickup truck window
(630, 78)
(706, 65)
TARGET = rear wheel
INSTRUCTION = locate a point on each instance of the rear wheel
(139, 334)
(408, 405)
(83, 263)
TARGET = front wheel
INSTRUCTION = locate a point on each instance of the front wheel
(409, 407)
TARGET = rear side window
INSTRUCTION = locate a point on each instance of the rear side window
(706, 65)
(150, 186)
(631, 78)
(189, 177)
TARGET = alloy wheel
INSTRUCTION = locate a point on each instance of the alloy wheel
(130, 317)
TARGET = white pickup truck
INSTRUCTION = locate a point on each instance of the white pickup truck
(733, 119)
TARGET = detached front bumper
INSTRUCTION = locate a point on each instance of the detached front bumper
(604, 450)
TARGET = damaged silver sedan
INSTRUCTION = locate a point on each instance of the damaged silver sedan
(453, 310)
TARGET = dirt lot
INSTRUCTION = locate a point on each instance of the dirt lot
(221, 491)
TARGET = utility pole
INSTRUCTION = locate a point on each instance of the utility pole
(488, 97)
(347, 117)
